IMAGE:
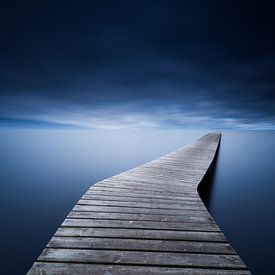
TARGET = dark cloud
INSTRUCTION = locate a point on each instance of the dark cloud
(138, 63)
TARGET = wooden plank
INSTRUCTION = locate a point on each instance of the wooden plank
(136, 196)
(140, 224)
(146, 190)
(132, 233)
(146, 180)
(145, 183)
(177, 190)
(197, 205)
(161, 187)
(158, 179)
(185, 217)
(136, 210)
(45, 268)
(141, 245)
(172, 167)
(140, 258)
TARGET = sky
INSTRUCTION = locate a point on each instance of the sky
(138, 64)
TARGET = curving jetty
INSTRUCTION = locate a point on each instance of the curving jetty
(147, 220)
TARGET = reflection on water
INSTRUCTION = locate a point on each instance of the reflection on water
(44, 172)
(206, 186)
(241, 196)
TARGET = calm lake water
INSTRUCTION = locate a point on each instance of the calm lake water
(43, 174)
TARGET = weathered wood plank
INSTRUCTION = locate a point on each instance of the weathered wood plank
(100, 195)
(141, 245)
(136, 210)
(140, 224)
(147, 179)
(145, 183)
(134, 191)
(185, 217)
(140, 258)
(114, 192)
(198, 205)
(153, 187)
(146, 190)
(132, 233)
(164, 188)
(44, 268)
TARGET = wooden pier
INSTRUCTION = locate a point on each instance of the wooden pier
(147, 220)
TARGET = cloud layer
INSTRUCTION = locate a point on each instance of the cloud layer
(135, 64)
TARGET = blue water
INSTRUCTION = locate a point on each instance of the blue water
(241, 197)
(43, 173)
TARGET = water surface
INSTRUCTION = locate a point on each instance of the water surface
(241, 196)
(43, 173)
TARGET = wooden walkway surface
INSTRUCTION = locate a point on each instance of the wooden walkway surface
(147, 220)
